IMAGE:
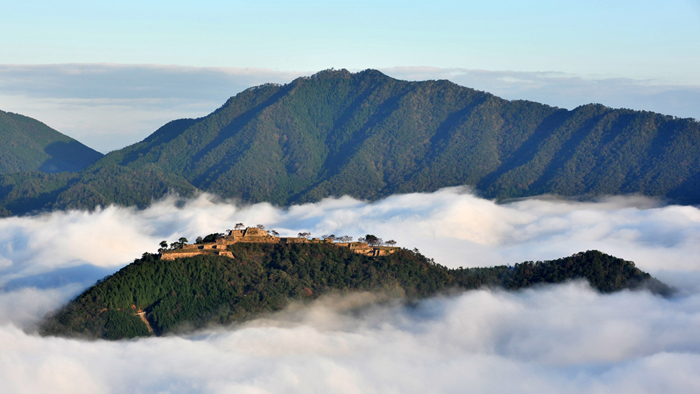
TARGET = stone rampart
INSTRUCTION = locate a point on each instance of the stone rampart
(258, 240)
(178, 255)
(256, 235)
(293, 240)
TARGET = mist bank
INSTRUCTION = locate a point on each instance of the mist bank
(67, 251)
(452, 225)
(564, 338)
(549, 339)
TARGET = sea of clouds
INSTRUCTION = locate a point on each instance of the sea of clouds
(553, 339)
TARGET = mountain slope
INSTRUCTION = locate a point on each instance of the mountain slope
(197, 291)
(369, 136)
(110, 184)
(29, 145)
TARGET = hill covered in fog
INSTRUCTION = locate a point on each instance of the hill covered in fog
(154, 296)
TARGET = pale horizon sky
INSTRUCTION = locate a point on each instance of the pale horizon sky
(110, 73)
(639, 39)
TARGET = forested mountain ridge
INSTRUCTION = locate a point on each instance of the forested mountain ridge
(198, 291)
(369, 136)
(29, 145)
(35, 191)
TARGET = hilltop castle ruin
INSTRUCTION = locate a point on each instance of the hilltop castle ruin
(257, 235)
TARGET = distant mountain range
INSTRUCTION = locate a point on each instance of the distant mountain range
(368, 135)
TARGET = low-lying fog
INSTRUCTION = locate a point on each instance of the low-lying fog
(555, 339)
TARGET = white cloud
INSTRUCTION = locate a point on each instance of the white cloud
(557, 339)
(26, 306)
(451, 225)
(564, 338)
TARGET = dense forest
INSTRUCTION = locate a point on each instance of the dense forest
(29, 145)
(369, 136)
(37, 191)
(194, 292)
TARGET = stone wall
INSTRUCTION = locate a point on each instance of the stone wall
(172, 255)
(178, 255)
(255, 235)
(293, 240)
(258, 240)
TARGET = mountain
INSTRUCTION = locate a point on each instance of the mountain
(369, 136)
(29, 145)
(186, 293)
(92, 187)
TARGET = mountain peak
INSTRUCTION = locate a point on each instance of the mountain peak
(30, 145)
(332, 73)
(368, 136)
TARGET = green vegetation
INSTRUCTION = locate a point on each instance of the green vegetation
(29, 145)
(194, 292)
(36, 191)
(369, 136)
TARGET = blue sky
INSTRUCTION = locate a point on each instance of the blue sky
(634, 39)
(109, 73)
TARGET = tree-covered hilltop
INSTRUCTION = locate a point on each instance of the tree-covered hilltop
(29, 145)
(195, 292)
(369, 136)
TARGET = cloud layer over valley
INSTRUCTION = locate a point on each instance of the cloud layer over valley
(564, 338)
